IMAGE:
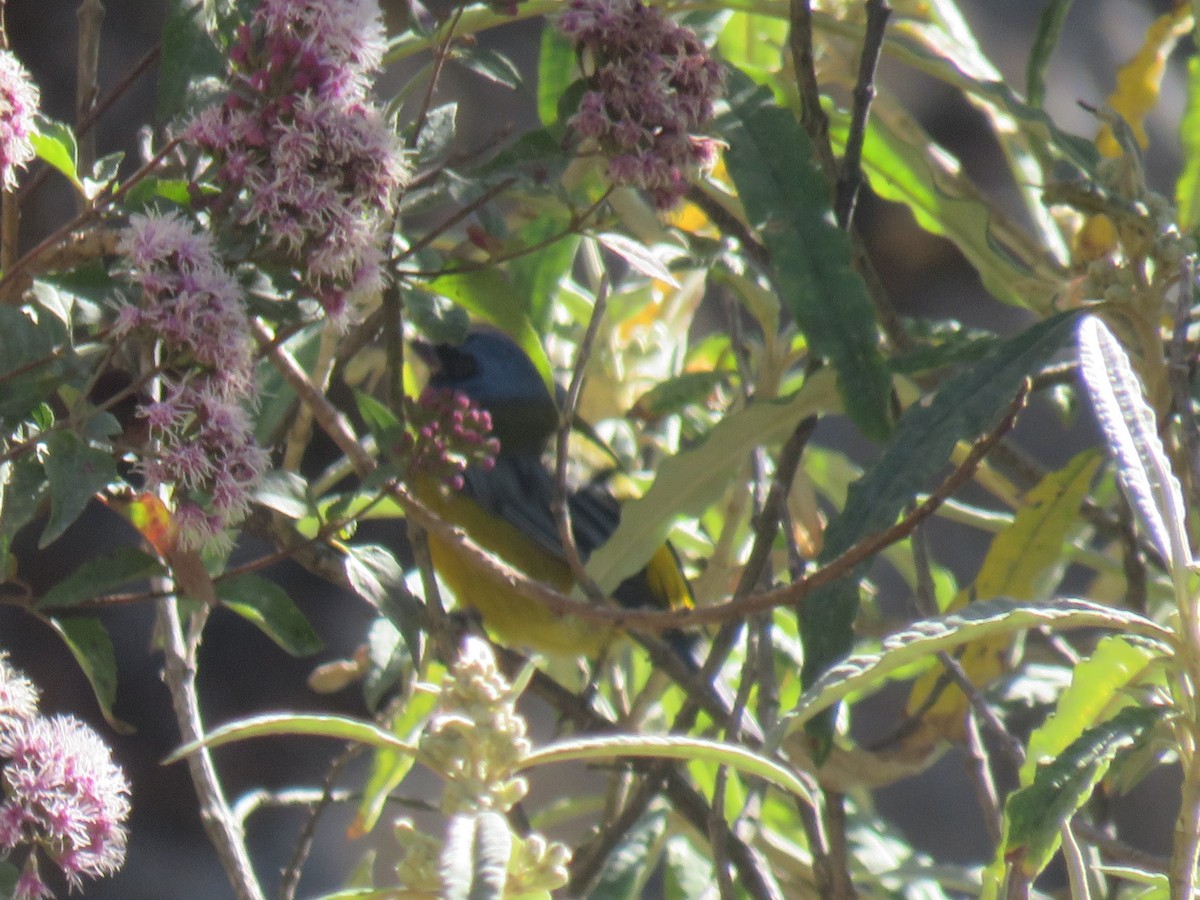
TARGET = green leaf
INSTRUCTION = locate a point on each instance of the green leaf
(1099, 684)
(631, 862)
(339, 728)
(92, 648)
(30, 367)
(475, 855)
(965, 407)
(377, 416)
(1050, 26)
(753, 42)
(907, 46)
(389, 766)
(267, 606)
(388, 658)
(286, 493)
(867, 672)
(189, 55)
(691, 481)
(1130, 428)
(1034, 816)
(54, 144)
(675, 394)
(378, 578)
(787, 200)
(538, 154)
(8, 878)
(689, 873)
(100, 575)
(639, 257)
(76, 472)
(24, 489)
(540, 274)
(556, 71)
(437, 133)
(492, 65)
(670, 746)
(1187, 187)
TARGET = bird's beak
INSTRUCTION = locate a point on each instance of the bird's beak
(428, 354)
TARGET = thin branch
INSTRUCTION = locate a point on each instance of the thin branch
(812, 114)
(291, 873)
(87, 82)
(850, 178)
(440, 54)
(562, 449)
(223, 829)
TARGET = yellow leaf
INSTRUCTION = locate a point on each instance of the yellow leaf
(1022, 562)
(1140, 80)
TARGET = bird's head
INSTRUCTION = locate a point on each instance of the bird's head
(496, 374)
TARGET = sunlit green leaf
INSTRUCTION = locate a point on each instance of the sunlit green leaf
(92, 648)
(268, 606)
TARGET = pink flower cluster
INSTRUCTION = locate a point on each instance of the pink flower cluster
(64, 798)
(192, 307)
(301, 154)
(18, 106)
(651, 85)
(451, 434)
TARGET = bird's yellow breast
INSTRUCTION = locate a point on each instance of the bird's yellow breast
(516, 620)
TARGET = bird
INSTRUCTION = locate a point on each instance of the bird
(506, 507)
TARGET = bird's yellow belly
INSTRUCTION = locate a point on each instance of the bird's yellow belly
(513, 618)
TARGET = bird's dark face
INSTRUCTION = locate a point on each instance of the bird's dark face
(494, 372)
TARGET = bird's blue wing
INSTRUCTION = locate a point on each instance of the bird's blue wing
(520, 491)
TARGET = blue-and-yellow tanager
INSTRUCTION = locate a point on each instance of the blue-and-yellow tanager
(507, 509)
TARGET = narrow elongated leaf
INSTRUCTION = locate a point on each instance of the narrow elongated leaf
(1098, 685)
(492, 65)
(639, 256)
(629, 865)
(340, 728)
(965, 407)
(100, 575)
(787, 200)
(1034, 816)
(867, 672)
(267, 605)
(671, 746)
(92, 648)
(1050, 26)
(1130, 427)
(474, 861)
(691, 481)
(389, 766)
(1187, 187)
(556, 71)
